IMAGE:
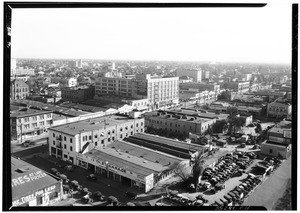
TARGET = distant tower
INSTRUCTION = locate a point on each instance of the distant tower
(113, 66)
(79, 63)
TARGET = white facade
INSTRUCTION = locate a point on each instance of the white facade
(193, 73)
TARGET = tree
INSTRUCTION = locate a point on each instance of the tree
(219, 126)
(225, 95)
(182, 170)
(198, 169)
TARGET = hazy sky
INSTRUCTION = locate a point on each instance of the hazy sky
(187, 34)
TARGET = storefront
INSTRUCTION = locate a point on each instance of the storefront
(32, 186)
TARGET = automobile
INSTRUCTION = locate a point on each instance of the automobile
(219, 203)
(219, 186)
(131, 195)
(98, 195)
(224, 201)
(53, 171)
(198, 203)
(91, 177)
(87, 199)
(26, 143)
(74, 183)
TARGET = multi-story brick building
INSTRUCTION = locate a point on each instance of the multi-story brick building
(78, 94)
(28, 123)
(182, 122)
(66, 141)
(18, 89)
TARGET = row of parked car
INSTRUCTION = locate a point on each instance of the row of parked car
(238, 194)
(177, 198)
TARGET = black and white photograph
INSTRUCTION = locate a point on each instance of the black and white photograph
(131, 106)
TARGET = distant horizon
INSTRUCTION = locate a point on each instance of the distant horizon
(140, 60)
(226, 35)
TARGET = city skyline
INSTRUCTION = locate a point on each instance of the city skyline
(245, 35)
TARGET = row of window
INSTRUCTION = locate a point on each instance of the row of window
(34, 125)
(34, 118)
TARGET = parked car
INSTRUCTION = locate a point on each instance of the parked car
(91, 177)
(131, 195)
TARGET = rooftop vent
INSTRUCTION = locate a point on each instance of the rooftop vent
(144, 161)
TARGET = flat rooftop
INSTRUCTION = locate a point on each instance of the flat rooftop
(170, 142)
(28, 112)
(27, 179)
(126, 161)
(56, 117)
(194, 112)
(90, 124)
(145, 153)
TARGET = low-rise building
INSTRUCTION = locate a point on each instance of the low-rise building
(32, 186)
(281, 132)
(78, 94)
(27, 123)
(179, 122)
(219, 106)
(280, 108)
(200, 87)
(276, 149)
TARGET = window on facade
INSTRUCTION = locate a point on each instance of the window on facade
(126, 127)
(65, 146)
(34, 118)
(71, 140)
(39, 200)
(113, 131)
(53, 135)
(27, 126)
(113, 138)
(42, 123)
(41, 116)
(34, 125)
(96, 143)
(54, 143)
(71, 148)
(121, 129)
(102, 141)
(121, 135)
(131, 126)
(65, 156)
(90, 137)
(131, 132)
(137, 125)
(108, 139)
(271, 151)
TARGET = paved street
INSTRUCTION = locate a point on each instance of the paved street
(107, 187)
(272, 189)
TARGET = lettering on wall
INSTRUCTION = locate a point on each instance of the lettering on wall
(27, 178)
(33, 196)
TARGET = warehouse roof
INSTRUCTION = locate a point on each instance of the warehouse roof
(145, 153)
(169, 142)
(27, 179)
(125, 161)
(91, 124)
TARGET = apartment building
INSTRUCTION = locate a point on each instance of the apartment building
(27, 123)
(18, 89)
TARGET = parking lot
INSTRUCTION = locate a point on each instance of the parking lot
(106, 186)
